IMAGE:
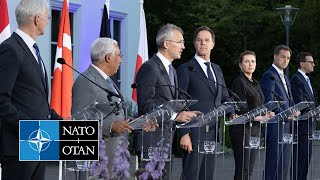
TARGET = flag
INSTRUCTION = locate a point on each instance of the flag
(4, 21)
(105, 23)
(61, 93)
(143, 48)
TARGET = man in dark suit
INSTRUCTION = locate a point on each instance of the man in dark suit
(274, 81)
(106, 58)
(201, 85)
(302, 91)
(24, 88)
(153, 79)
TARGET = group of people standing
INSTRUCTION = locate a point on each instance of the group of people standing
(24, 95)
(204, 81)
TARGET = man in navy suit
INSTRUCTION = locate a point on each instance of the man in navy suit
(200, 84)
(154, 79)
(303, 91)
(275, 83)
(24, 88)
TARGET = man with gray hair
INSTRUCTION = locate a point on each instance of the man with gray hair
(106, 58)
(24, 88)
(157, 83)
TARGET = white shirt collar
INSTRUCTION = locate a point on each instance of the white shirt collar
(164, 61)
(204, 67)
(303, 74)
(103, 74)
(200, 60)
(278, 70)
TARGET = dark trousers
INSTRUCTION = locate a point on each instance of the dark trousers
(198, 166)
(244, 158)
(301, 157)
(278, 156)
(13, 169)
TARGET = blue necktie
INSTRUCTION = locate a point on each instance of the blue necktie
(40, 63)
(109, 81)
(309, 83)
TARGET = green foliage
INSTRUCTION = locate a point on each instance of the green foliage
(238, 25)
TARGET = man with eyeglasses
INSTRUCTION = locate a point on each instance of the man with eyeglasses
(106, 58)
(24, 88)
(302, 91)
(200, 84)
(154, 79)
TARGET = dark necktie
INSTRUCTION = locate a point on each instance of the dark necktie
(210, 76)
(40, 63)
(171, 77)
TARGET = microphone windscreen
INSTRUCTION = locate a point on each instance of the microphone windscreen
(61, 61)
(272, 78)
(191, 68)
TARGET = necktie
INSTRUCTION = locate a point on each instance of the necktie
(171, 75)
(284, 82)
(40, 63)
(309, 83)
(110, 83)
(210, 75)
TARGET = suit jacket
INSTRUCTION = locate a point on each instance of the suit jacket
(152, 91)
(197, 85)
(23, 94)
(271, 87)
(301, 92)
(85, 93)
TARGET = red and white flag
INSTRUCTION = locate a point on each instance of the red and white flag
(4, 21)
(61, 94)
(143, 48)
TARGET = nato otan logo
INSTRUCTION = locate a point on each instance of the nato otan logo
(48, 140)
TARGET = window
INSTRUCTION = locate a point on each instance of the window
(115, 29)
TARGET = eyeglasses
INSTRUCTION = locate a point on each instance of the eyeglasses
(46, 17)
(311, 62)
(179, 42)
(120, 55)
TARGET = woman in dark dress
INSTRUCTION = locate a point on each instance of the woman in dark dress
(248, 90)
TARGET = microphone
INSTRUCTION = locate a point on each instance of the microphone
(304, 95)
(135, 85)
(110, 93)
(274, 79)
(229, 90)
(274, 93)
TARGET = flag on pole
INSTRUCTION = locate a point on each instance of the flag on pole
(105, 23)
(63, 75)
(143, 48)
(4, 21)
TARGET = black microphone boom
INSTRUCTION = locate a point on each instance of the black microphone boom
(110, 93)
(135, 85)
(229, 90)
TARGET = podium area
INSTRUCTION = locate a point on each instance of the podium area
(225, 169)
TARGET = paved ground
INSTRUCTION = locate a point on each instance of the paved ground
(224, 167)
